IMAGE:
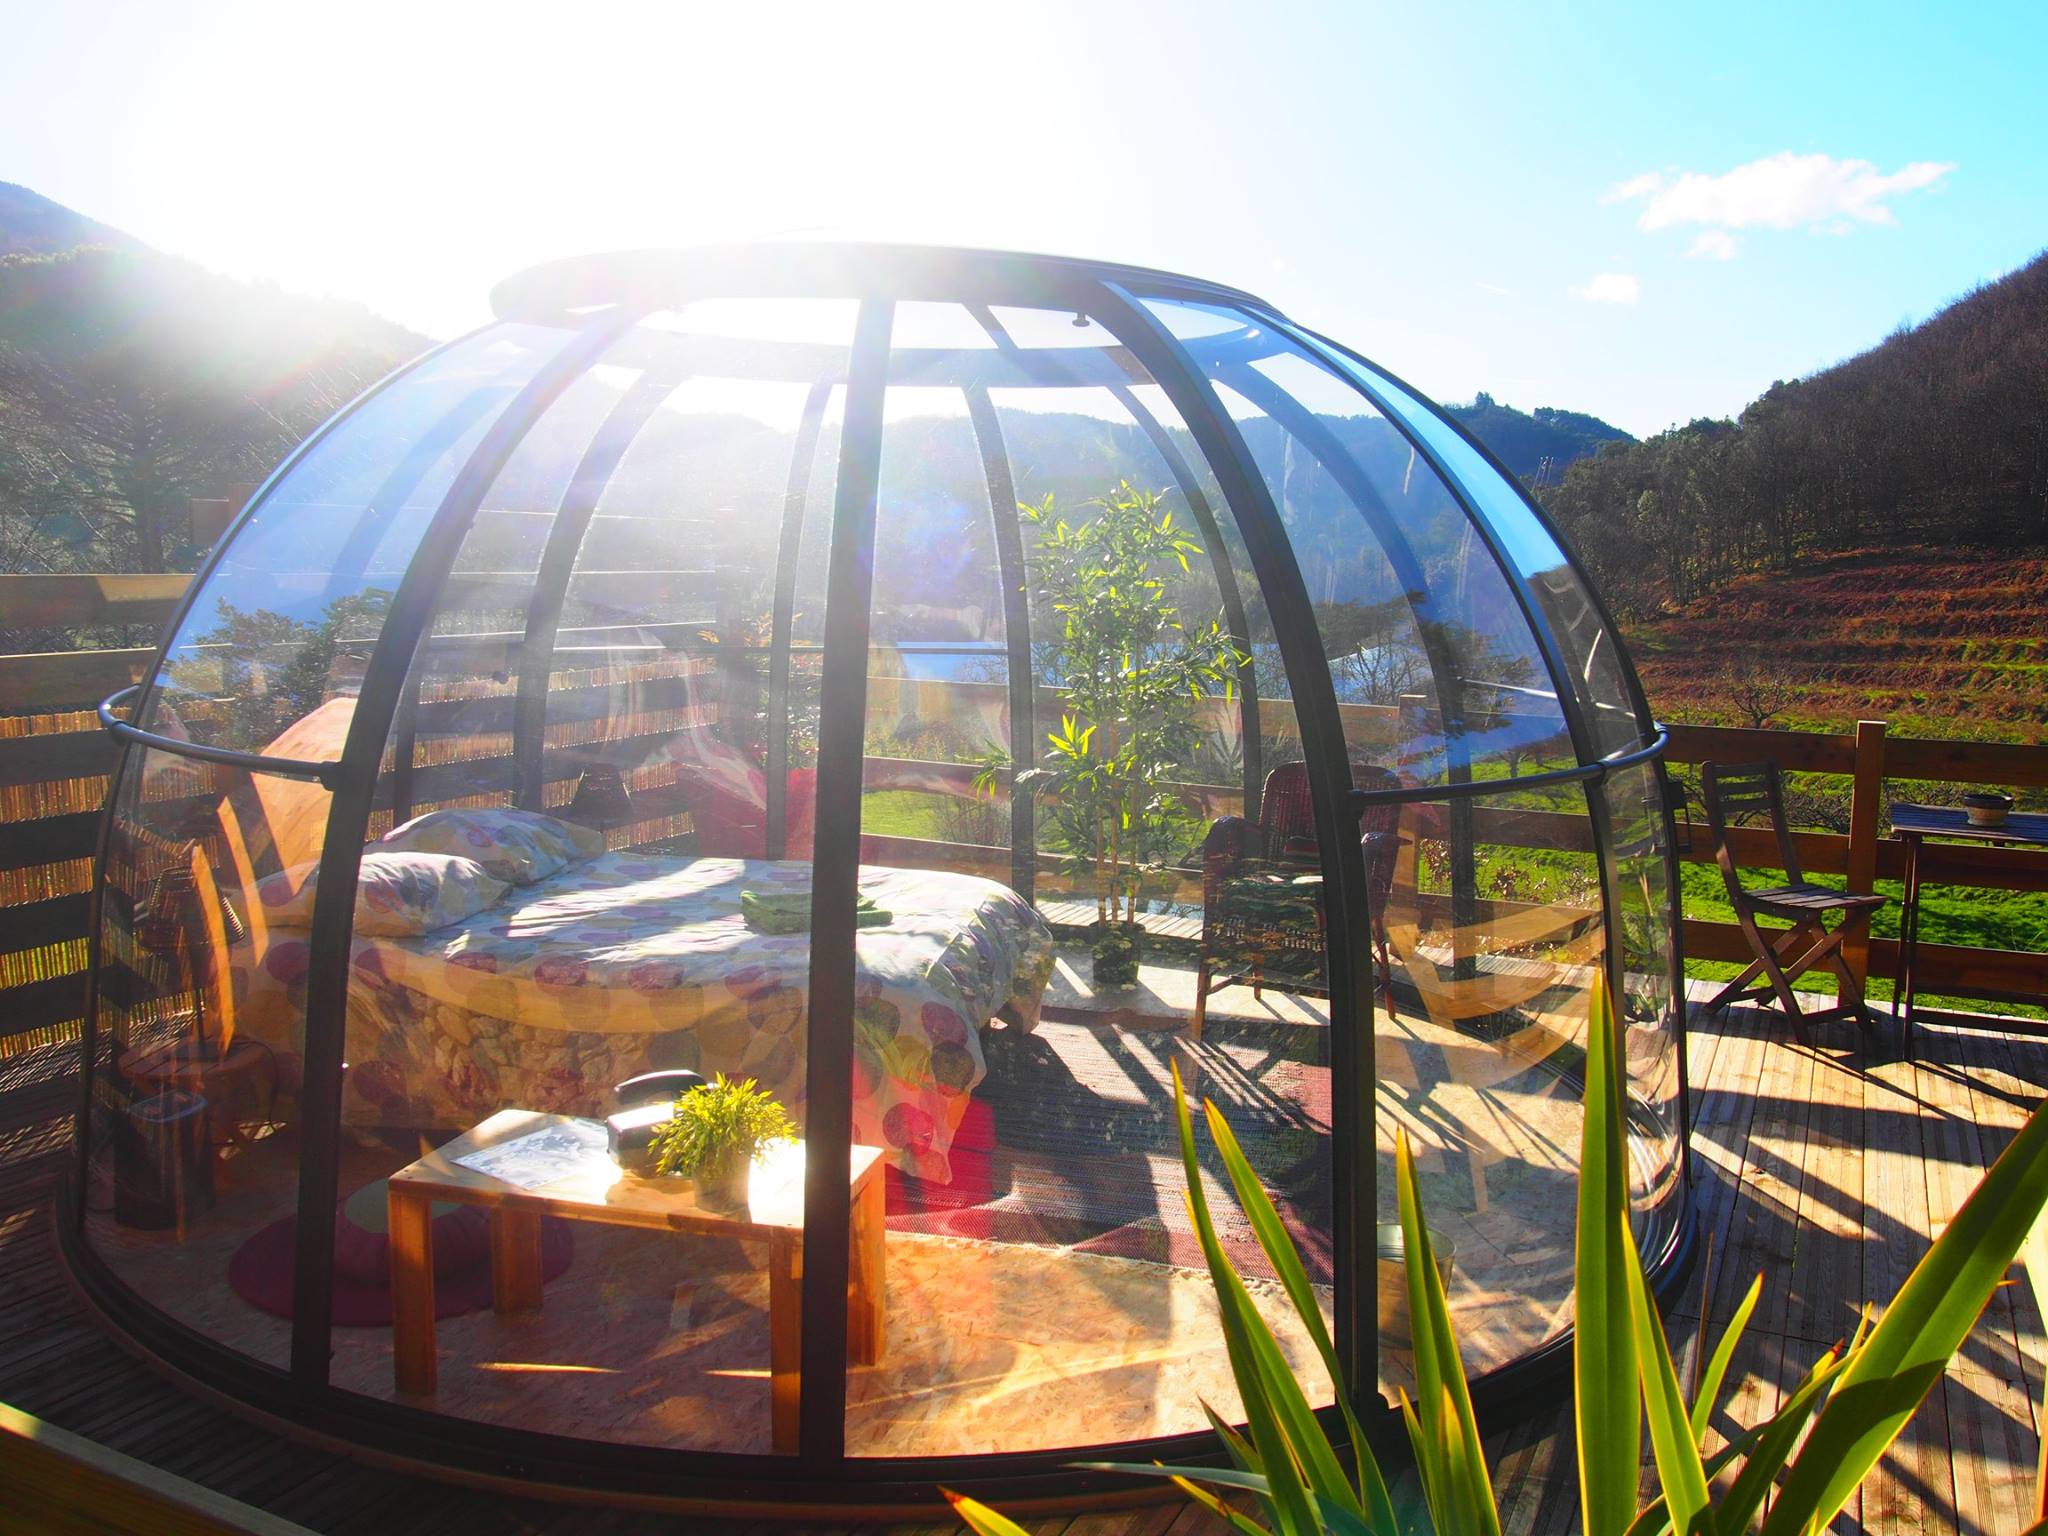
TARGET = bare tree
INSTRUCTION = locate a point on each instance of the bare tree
(1757, 690)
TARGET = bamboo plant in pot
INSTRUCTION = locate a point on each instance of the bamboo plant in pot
(715, 1135)
(1134, 675)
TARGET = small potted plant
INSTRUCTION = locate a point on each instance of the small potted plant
(714, 1136)
(1987, 807)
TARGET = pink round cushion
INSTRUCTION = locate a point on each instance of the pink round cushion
(362, 1246)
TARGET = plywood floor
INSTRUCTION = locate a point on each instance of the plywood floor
(1826, 1169)
(1062, 1304)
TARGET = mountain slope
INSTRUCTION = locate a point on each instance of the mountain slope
(31, 224)
(1940, 642)
(131, 382)
(1537, 446)
(1936, 436)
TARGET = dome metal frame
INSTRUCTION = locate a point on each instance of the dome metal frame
(600, 300)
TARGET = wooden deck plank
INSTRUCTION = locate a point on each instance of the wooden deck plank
(1985, 1376)
(1824, 1287)
(1990, 1389)
(1534, 1471)
(2019, 1079)
(1913, 1478)
(1781, 1163)
(2005, 1094)
(1751, 1395)
(1992, 1449)
(1703, 1063)
(1760, 1236)
(1722, 1117)
(1154, 1520)
(1828, 1169)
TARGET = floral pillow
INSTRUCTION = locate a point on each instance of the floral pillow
(397, 894)
(519, 846)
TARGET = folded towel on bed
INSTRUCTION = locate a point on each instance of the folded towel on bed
(790, 911)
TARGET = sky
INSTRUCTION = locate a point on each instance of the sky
(1646, 212)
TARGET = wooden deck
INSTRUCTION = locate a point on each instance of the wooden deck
(1826, 1169)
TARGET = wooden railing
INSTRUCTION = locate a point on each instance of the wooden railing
(54, 762)
(1868, 757)
(61, 1483)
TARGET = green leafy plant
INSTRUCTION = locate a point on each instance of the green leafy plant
(1134, 676)
(1855, 1399)
(719, 1128)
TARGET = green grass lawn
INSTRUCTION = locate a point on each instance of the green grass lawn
(1948, 914)
(902, 813)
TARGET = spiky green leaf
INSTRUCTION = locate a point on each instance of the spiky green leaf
(1606, 1403)
(1655, 1518)
(1288, 1501)
(1439, 1370)
(1375, 1501)
(1775, 1439)
(1679, 1468)
(1717, 1367)
(980, 1519)
(1925, 1324)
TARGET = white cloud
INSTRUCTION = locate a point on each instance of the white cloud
(1609, 288)
(1781, 191)
(1628, 191)
(1714, 245)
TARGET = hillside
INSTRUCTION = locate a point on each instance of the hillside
(33, 225)
(1938, 436)
(1939, 642)
(1537, 446)
(131, 382)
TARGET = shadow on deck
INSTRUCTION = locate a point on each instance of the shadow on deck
(1825, 1169)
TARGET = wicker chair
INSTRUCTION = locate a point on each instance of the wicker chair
(1262, 894)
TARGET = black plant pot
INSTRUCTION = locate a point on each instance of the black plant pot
(1113, 950)
(163, 1161)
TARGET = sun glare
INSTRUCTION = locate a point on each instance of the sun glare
(513, 136)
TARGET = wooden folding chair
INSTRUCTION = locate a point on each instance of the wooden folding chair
(1733, 790)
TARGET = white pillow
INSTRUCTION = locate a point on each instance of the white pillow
(398, 894)
(519, 846)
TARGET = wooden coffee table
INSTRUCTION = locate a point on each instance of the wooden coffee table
(594, 1189)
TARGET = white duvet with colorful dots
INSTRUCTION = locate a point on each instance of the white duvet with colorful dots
(632, 961)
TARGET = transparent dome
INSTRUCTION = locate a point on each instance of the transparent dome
(950, 691)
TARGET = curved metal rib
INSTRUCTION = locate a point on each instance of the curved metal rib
(1474, 789)
(558, 563)
(782, 620)
(348, 817)
(1002, 511)
(835, 866)
(253, 762)
(1353, 1168)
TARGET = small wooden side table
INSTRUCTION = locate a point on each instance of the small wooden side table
(239, 1083)
(1914, 824)
(596, 1190)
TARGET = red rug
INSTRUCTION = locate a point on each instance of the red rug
(973, 1158)
(1070, 1141)
(261, 1270)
